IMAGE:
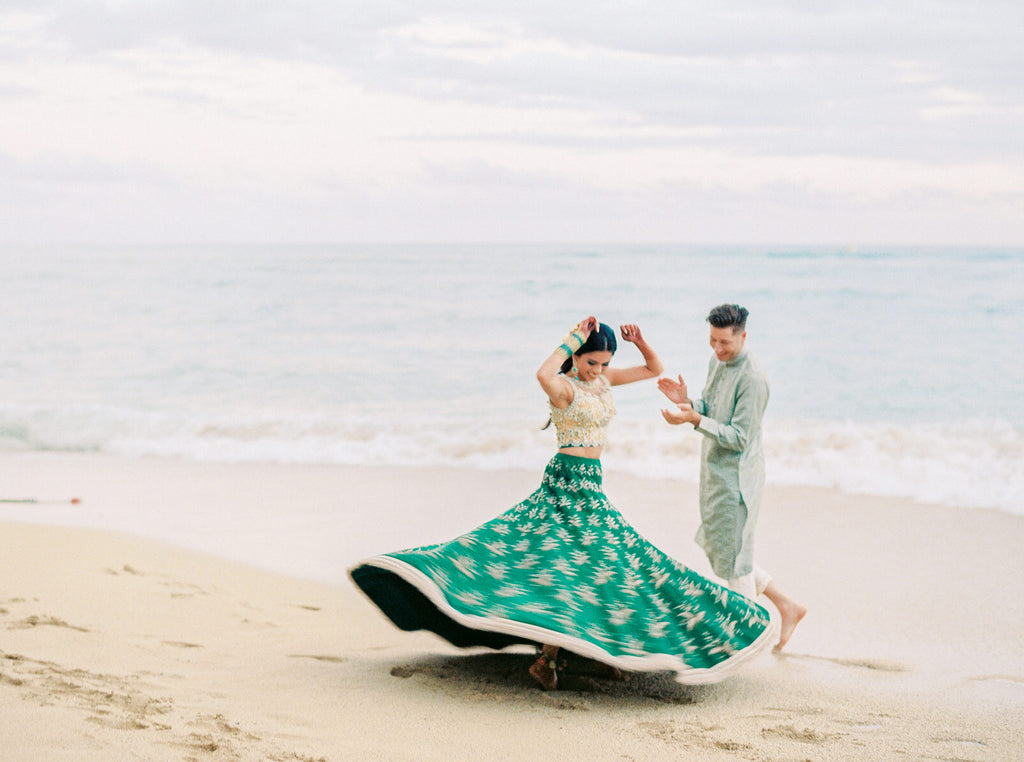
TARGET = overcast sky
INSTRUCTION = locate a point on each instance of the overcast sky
(787, 121)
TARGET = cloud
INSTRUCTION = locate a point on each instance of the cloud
(584, 105)
(68, 170)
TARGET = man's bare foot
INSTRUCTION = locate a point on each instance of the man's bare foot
(544, 672)
(790, 612)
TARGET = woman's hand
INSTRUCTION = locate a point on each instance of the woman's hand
(674, 390)
(651, 368)
(631, 333)
(588, 326)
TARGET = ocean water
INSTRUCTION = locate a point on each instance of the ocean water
(893, 371)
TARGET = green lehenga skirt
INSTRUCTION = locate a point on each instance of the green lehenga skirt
(564, 568)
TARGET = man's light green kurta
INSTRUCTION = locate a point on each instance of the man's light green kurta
(732, 462)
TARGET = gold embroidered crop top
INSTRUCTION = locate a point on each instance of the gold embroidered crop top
(584, 422)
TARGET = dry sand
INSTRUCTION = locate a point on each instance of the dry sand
(119, 647)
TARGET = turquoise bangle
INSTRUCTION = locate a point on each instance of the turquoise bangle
(573, 337)
(565, 348)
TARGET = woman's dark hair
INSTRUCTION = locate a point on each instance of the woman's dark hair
(729, 316)
(601, 340)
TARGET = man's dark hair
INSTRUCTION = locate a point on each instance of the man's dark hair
(729, 316)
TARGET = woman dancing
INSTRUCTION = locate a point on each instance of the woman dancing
(563, 569)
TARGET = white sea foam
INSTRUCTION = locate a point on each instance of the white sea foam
(425, 355)
(980, 466)
(963, 465)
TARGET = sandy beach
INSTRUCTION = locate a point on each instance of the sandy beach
(186, 611)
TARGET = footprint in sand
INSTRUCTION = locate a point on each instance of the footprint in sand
(214, 732)
(126, 569)
(699, 733)
(43, 621)
(126, 703)
(862, 725)
(119, 702)
(805, 735)
(564, 704)
(659, 729)
(1005, 678)
(404, 671)
(879, 665)
(959, 741)
(733, 746)
(117, 723)
(186, 591)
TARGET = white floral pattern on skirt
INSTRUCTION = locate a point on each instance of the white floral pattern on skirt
(564, 567)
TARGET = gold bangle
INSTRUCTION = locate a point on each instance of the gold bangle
(571, 338)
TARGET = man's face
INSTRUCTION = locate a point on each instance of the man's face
(727, 344)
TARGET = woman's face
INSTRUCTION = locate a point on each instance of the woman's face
(592, 364)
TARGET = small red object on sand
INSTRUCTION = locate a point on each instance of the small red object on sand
(76, 500)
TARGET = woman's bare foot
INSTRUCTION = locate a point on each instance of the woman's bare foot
(790, 613)
(545, 669)
(544, 672)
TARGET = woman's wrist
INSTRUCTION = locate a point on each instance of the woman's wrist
(572, 342)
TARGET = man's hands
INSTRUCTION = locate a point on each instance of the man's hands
(683, 411)
(674, 390)
(682, 414)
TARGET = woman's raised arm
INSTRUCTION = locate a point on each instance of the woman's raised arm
(559, 391)
(652, 363)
